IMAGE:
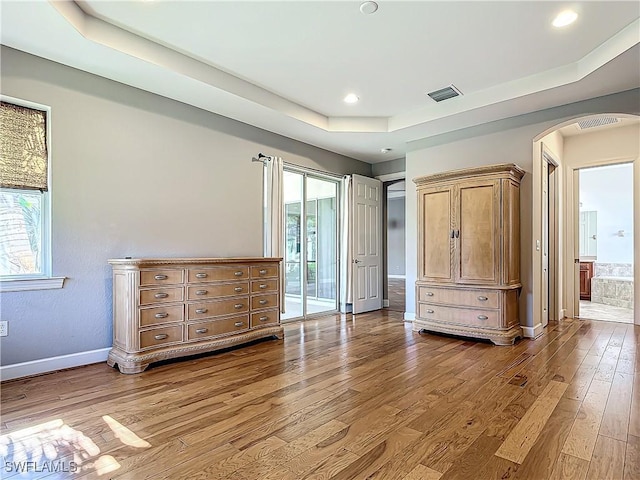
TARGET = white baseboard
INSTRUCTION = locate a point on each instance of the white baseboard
(385, 303)
(35, 367)
(403, 277)
(409, 316)
(532, 332)
(563, 313)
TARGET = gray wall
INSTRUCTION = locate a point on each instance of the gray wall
(395, 236)
(390, 166)
(133, 174)
(504, 141)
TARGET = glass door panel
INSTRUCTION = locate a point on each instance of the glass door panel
(311, 245)
(322, 243)
(293, 275)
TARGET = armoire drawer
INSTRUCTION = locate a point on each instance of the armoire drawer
(459, 297)
(462, 316)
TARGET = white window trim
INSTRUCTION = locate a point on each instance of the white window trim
(23, 284)
(45, 280)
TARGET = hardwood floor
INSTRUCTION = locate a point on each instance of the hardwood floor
(345, 398)
(396, 293)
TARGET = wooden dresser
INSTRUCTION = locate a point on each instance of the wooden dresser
(469, 253)
(172, 307)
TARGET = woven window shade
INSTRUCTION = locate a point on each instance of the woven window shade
(23, 147)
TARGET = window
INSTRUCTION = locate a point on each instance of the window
(25, 259)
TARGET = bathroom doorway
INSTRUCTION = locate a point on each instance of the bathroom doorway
(605, 239)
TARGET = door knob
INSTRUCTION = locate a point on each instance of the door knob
(356, 261)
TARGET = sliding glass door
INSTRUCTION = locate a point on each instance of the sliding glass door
(311, 244)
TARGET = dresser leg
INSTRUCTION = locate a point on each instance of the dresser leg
(502, 341)
(131, 369)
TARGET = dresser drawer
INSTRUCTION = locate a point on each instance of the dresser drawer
(161, 277)
(268, 317)
(467, 298)
(217, 274)
(259, 286)
(462, 316)
(160, 336)
(218, 308)
(159, 315)
(264, 301)
(161, 295)
(264, 271)
(200, 292)
(217, 327)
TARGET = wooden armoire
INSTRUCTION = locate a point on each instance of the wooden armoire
(468, 279)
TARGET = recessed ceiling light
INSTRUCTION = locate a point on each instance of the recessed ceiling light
(385, 150)
(368, 7)
(565, 18)
(351, 98)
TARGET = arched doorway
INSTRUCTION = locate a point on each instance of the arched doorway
(558, 156)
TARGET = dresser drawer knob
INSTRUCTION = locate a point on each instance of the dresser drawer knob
(161, 336)
(202, 275)
(430, 311)
(483, 299)
(483, 317)
(263, 302)
(202, 330)
(161, 295)
(162, 315)
(202, 292)
(429, 294)
(238, 274)
(201, 310)
(238, 306)
(239, 324)
(263, 272)
(263, 286)
(263, 319)
(161, 277)
(238, 289)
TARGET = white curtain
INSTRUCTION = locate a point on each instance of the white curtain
(274, 215)
(346, 253)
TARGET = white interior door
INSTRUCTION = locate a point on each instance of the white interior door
(367, 244)
(545, 243)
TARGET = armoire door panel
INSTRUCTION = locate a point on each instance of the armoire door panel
(478, 223)
(437, 235)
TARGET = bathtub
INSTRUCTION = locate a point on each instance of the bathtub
(615, 291)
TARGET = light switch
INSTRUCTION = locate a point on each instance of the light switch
(538, 245)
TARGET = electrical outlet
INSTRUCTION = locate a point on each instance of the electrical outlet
(4, 328)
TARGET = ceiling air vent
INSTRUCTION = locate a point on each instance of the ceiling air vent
(445, 93)
(597, 122)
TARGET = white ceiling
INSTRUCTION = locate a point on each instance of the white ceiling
(285, 66)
